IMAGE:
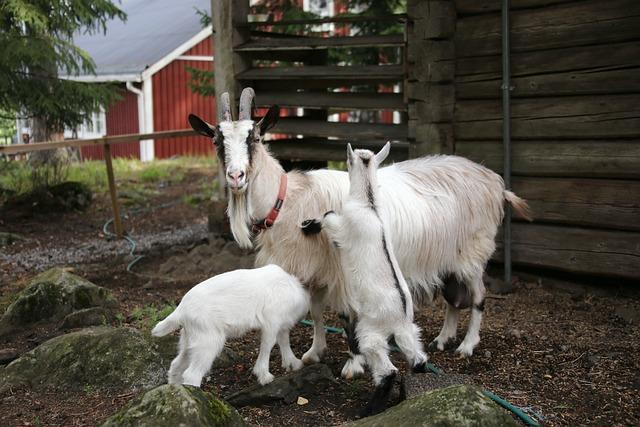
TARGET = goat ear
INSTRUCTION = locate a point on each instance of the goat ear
(270, 119)
(349, 153)
(202, 127)
(383, 153)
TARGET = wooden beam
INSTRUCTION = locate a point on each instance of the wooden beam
(333, 100)
(575, 117)
(318, 149)
(471, 7)
(317, 43)
(582, 70)
(601, 203)
(578, 23)
(576, 250)
(117, 221)
(325, 72)
(352, 131)
(583, 158)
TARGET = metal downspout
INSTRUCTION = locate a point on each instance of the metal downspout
(506, 138)
(140, 99)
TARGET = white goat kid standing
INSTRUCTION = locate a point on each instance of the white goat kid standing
(443, 212)
(378, 296)
(227, 306)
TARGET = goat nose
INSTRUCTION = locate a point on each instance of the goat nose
(235, 175)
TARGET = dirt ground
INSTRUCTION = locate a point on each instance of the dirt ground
(569, 358)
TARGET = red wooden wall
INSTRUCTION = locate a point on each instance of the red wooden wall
(173, 101)
(122, 118)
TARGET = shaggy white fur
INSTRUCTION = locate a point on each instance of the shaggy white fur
(227, 306)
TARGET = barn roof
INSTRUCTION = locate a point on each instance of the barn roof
(153, 32)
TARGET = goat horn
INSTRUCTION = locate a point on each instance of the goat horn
(246, 103)
(225, 108)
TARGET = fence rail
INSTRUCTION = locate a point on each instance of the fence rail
(106, 142)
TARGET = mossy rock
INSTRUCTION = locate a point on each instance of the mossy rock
(92, 316)
(66, 196)
(100, 357)
(51, 296)
(175, 405)
(455, 406)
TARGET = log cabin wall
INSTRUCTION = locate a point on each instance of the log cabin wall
(575, 118)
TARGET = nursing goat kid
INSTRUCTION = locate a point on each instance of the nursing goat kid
(377, 295)
(443, 213)
(227, 306)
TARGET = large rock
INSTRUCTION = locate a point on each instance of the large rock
(101, 357)
(413, 385)
(285, 389)
(175, 405)
(455, 406)
(51, 296)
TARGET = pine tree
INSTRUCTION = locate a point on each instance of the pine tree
(36, 47)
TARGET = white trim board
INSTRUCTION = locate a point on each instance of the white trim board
(195, 58)
(203, 34)
(105, 78)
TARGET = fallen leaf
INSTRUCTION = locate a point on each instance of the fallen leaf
(302, 400)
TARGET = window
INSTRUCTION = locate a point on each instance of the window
(94, 127)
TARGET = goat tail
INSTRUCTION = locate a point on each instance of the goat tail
(519, 205)
(168, 325)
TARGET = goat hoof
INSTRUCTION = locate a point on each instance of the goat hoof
(265, 379)
(311, 357)
(294, 365)
(351, 370)
(464, 352)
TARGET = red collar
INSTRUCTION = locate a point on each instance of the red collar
(266, 223)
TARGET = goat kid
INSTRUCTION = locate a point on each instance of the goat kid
(227, 306)
(377, 294)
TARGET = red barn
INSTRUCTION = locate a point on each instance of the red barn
(148, 56)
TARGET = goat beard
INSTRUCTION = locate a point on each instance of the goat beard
(239, 219)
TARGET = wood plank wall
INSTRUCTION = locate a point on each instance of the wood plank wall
(575, 125)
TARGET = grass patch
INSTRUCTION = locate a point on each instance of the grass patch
(148, 316)
(208, 189)
(15, 176)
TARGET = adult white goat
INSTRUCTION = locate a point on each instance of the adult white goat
(378, 296)
(443, 213)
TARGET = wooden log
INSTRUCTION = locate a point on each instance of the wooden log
(334, 100)
(315, 43)
(471, 7)
(557, 26)
(583, 82)
(615, 116)
(576, 250)
(316, 149)
(317, 128)
(602, 203)
(586, 158)
(117, 221)
(582, 70)
(330, 72)
(432, 19)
